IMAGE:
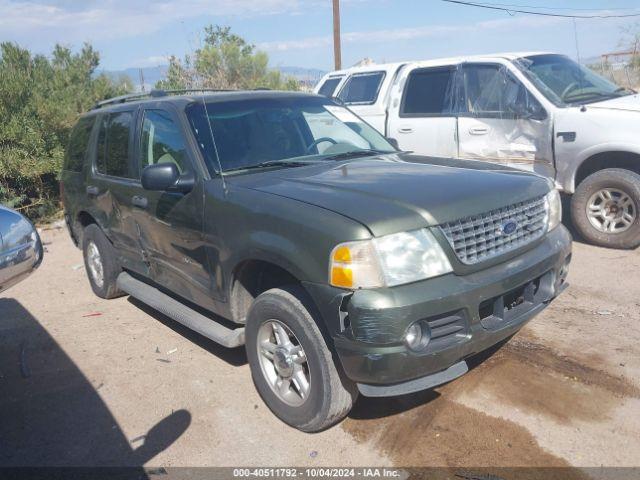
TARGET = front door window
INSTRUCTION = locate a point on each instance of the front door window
(161, 141)
(500, 121)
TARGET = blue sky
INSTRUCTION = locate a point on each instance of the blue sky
(140, 33)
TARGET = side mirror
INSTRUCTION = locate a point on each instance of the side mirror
(531, 112)
(165, 177)
(528, 112)
(394, 143)
(21, 250)
(538, 114)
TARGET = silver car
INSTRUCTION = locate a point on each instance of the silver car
(21, 250)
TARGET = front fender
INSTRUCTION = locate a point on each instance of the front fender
(566, 177)
(276, 249)
(247, 224)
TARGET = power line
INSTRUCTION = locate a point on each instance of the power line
(511, 11)
(538, 7)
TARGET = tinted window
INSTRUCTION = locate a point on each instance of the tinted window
(78, 144)
(492, 91)
(362, 88)
(113, 145)
(161, 141)
(329, 86)
(428, 92)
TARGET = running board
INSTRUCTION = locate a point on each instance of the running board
(179, 312)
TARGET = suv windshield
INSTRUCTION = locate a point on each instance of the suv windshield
(565, 82)
(254, 133)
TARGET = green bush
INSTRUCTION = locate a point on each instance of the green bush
(40, 101)
(41, 98)
(227, 62)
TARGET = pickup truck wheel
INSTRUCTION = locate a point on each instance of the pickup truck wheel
(605, 207)
(291, 365)
(100, 263)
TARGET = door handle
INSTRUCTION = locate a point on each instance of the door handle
(91, 190)
(140, 202)
(405, 130)
(479, 130)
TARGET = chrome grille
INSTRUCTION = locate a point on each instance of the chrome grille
(481, 237)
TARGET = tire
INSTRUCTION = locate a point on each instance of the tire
(623, 187)
(106, 261)
(330, 396)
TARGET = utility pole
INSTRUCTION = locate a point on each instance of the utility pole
(141, 80)
(337, 54)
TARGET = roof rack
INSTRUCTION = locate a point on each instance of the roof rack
(158, 93)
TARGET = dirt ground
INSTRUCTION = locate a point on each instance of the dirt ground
(85, 381)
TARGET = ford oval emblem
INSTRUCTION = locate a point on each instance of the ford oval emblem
(509, 227)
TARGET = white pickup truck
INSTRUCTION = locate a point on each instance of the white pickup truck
(536, 111)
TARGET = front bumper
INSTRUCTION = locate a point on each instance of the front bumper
(465, 314)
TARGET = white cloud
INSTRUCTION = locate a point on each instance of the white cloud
(430, 31)
(115, 19)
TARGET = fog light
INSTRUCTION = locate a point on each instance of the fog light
(417, 336)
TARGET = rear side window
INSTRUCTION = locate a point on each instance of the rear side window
(113, 145)
(162, 141)
(329, 86)
(78, 144)
(362, 88)
(428, 92)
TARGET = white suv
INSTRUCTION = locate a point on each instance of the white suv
(541, 112)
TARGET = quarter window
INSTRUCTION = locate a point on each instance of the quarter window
(113, 145)
(329, 86)
(428, 92)
(162, 141)
(362, 88)
(78, 144)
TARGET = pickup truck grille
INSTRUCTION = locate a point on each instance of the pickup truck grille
(491, 234)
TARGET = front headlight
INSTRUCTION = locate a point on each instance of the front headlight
(387, 261)
(554, 209)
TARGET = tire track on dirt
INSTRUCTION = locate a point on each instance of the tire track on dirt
(432, 429)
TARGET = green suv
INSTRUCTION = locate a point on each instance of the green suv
(284, 223)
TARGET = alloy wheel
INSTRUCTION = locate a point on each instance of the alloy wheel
(610, 210)
(94, 262)
(283, 362)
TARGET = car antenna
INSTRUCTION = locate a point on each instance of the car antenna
(215, 148)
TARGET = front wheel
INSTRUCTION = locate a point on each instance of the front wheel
(605, 207)
(291, 364)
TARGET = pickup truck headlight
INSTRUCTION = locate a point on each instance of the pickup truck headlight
(387, 261)
(554, 209)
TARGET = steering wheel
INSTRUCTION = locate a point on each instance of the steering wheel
(571, 87)
(319, 141)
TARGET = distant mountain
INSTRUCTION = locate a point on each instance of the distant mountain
(151, 75)
(300, 73)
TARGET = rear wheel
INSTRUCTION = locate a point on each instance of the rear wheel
(100, 263)
(291, 364)
(605, 207)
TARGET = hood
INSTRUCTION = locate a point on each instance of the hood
(392, 193)
(628, 103)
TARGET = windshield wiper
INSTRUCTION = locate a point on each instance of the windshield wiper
(271, 163)
(365, 152)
